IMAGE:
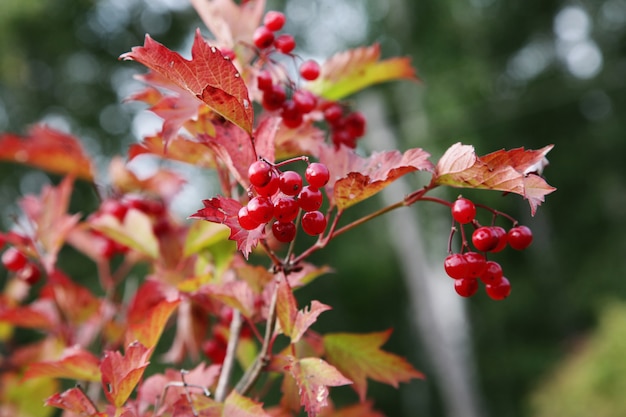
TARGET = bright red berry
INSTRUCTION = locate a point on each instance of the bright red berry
(466, 287)
(499, 290)
(270, 189)
(263, 37)
(310, 70)
(317, 174)
(463, 210)
(286, 209)
(30, 273)
(476, 264)
(285, 43)
(215, 350)
(264, 80)
(520, 237)
(485, 239)
(333, 113)
(292, 117)
(310, 198)
(284, 231)
(290, 183)
(492, 273)
(13, 259)
(246, 221)
(260, 173)
(305, 101)
(261, 209)
(456, 266)
(502, 239)
(313, 223)
(115, 208)
(274, 98)
(274, 20)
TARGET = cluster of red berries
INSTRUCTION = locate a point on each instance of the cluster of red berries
(281, 196)
(346, 127)
(470, 267)
(16, 261)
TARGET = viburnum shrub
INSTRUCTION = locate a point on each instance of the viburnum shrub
(283, 149)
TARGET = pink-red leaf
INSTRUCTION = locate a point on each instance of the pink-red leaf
(358, 356)
(516, 171)
(121, 373)
(74, 363)
(305, 319)
(236, 405)
(75, 401)
(76, 302)
(148, 327)
(49, 149)
(208, 76)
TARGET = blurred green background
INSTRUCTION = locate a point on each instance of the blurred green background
(495, 74)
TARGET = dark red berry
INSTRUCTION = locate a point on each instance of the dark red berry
(456, 266)
(286, 209)
(520, 237)
(292, 117)
(310, 70)
(260, 173)
(310, 198)
(215, 350)
(466, 287)
(274, 20)
(305, 101)
(284, 231)
(355, 124)
(115, 208)
(333, 113)
(492, 273)
(261, 209)
(13, 259)
(463, 210)
(246, 221)
(264, 80)
(290, 183)
(499, 290)
(484, 239)
(285, 43)
(476, 264)
(502, 239)
(274, 98)
(263, 37)
(313, 223)
(30, 273)
(270, 189)
(317, 174)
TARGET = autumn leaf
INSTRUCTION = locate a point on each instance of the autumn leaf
(75, 401)
(74, 363)
(208, 76)
(236, 294)
(359, 178)
(163, 184)
(358, 356)
(516, 171)
(48, 149)
(148, 327)
(121, 373)
(363, 409)
(305, 318)
(179, 149)
(348, 72)
(41, 314)
(236, 405)
(313, 376)
(135, 231)
(76, 302)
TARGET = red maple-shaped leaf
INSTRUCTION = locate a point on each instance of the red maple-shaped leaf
(75, 401)
(74, 363)
(121, 373)
(208, 76)
(224, 210)
(358, 356)
(49, 149)
(351, 71)
(313, 376)
(516, 171)
(359, 178)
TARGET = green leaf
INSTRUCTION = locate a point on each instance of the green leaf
(236, 405)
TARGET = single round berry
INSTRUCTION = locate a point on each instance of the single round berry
(284, 232)
(310, 198)
(290, 183)
(270, 189)
(274, 98)
(274, 20)
(456, 266)
(484, 239)
(246, 221)
(305, 101)
(333, 113)
(466, 287)
(463, 210)
(261, 209)
(13, 259)
(502, 239)
(285, 43)
(355, 124)
(286, 209)
(476, 264)
(313, 223)
(499, 290)
(292, 117)
(263, 37)
(259, 173)
(30, 273)
(310, 70)
(215, 350)
(264, 80)
(317, 174)
(519, 237)
(492, 273)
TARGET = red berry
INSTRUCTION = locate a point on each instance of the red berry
(246, 221)
(284, 231)
(290, 183)
(13, 259)
(456, 266)
(317, 174)
(463, 210)
(270, 189)
(484, 239)
(274, 20)
(286, 209)
(492, 273)
(520, 237)
(30, 273)
(466, 287)
(476, 264)
(259, 173)
(292, 117)
(310, 198)
(313, 223)
(285, 43)
(502, 240)
(305, 101)
(499, 290)
(274, 98)
(114, 207)
(310, 70)
(215, 350)
(263, 37)
(333, 113)
(355, 124)
(264, 80)
(261, 209)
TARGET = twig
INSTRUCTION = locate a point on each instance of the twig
(229, 359)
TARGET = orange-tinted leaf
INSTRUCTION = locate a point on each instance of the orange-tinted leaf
(75, 401)
(49, 149)
(121, 373)
(74, 363)
(236, 294)
(236, 405)
(40, 314)
(358, 356)
(286, 307)
(178, 149)
(348, 72)
(200, 406)
(514, 171)
(77, 303)
(313, 376)
(360, 178)
(208, 76)
(147, 328)
(305, 319)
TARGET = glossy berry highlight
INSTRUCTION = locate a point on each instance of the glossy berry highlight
(463, 210)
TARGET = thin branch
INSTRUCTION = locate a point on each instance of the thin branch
(229, 359)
